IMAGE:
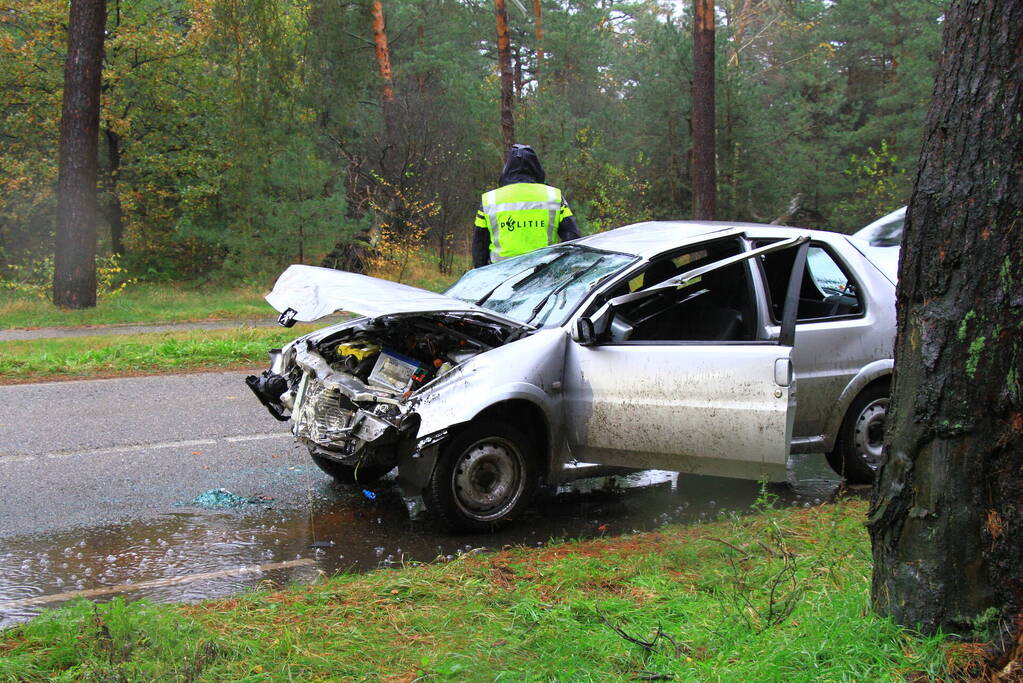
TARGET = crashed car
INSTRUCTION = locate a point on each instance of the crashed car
(699, 347)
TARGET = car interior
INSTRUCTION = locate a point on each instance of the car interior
(717, 306)
(826, 291)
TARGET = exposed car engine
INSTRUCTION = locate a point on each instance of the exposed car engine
(351, 393)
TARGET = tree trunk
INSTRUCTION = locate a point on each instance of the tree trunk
(383, 54)
(538, 28)
(742, 21)
(114, 211)
(704, 166)
(946, 518)
(507, 81)
(517, 56)
(74, 275)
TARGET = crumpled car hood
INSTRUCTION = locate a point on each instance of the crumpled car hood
(314, 292)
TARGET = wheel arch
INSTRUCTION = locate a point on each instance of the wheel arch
(871, 375)
(528, 416)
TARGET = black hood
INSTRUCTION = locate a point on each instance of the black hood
(523, 166)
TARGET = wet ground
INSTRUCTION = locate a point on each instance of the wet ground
(191, 553)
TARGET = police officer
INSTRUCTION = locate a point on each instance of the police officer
(522, 214)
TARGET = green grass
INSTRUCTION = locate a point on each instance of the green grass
(525, 615)
(141, 303)
(80, 357)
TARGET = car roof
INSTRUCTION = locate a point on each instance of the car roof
(650, 238)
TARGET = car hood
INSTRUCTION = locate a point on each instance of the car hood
(317, 292)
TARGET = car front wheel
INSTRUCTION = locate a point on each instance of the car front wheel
(860, 445)
(485, 477)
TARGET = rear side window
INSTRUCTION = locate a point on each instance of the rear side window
(827, 291)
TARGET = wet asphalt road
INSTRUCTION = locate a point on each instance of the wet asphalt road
(96, 478)
(112, 450)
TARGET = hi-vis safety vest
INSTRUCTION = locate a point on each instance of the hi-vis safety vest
(521, 217)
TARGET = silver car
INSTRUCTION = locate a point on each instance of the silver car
(671, 345)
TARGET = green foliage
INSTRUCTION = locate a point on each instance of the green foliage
(882, 185)
(35, 278)
(237, 137)
(139, 353)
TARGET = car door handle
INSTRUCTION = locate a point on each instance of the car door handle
(783, 372)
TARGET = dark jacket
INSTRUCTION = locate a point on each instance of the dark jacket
(522, 166)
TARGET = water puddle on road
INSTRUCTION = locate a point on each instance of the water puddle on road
(192, 554)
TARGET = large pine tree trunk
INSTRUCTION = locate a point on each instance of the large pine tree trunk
(507, 79)
(947, 516)
(74, 277)
(704, 162)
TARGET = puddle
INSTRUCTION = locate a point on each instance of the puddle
(192, 554)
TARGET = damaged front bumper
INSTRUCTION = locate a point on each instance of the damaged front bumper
(336, 415)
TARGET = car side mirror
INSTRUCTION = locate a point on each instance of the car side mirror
(592, 330)
(583, 332)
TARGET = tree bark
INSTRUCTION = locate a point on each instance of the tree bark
(74, 276)
(383, 54)
(704, 163)
(946, 518)
(507, 80)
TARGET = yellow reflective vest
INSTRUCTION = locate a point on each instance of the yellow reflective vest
(521, 217)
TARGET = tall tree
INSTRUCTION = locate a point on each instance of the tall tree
(383, 54)
(946, 520)
(74, 277)
(538, 29)
(704, 161)
(507, 79)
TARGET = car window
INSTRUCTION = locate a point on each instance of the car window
(827, 290)
(541, 287)
(717, 306)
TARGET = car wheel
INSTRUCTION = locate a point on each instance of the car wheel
(346, 474)
(485, 476)
(860, 445)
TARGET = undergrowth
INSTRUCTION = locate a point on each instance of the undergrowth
(698, 603)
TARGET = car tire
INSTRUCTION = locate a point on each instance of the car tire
(485, 477)
(346, 474)
(859, 447)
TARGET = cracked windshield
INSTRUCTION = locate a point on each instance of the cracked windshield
(540, 288)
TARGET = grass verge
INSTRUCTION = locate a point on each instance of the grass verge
(83, 357)
(779, 596)
(141, 303)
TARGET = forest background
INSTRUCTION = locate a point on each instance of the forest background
(238, 136)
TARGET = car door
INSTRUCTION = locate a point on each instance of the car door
(721, 406)
(833, 324)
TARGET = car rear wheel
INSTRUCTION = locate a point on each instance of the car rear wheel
(860, 445)
(486, 476)
(347, 474)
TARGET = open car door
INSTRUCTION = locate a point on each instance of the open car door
(717, 404)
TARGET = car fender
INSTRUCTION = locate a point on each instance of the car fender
(868, 374)
(529, 369)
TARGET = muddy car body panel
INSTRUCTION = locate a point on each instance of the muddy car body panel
(710, 348)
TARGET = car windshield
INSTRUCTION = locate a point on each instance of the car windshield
(541, 287)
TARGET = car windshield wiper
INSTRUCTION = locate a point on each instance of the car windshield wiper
(531, 275)
(557, 290)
